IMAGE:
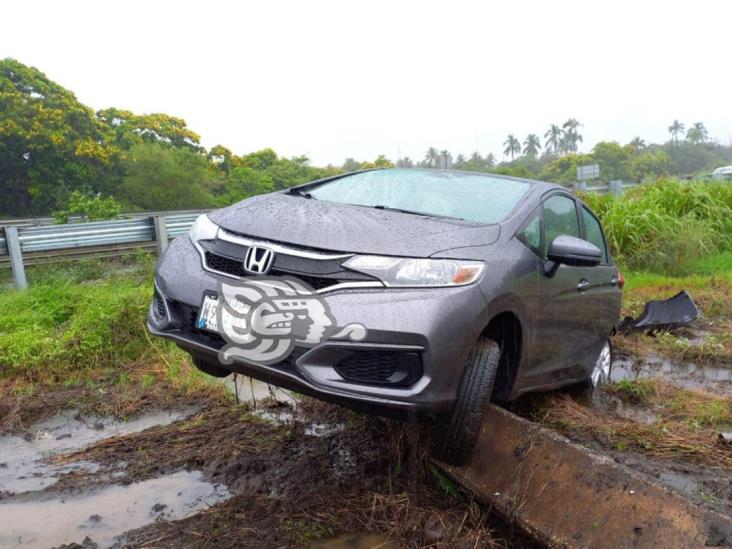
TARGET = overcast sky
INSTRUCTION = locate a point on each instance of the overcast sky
(346, 79)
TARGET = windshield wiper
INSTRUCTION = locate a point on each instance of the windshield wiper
(414, 212)
(302, 192)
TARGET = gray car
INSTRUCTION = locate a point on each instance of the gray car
(451, 288)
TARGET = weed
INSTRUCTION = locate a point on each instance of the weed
(635, 391)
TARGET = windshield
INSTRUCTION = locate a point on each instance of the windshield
(472, 197)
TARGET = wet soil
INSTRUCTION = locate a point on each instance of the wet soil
(289, 473)
(706, 485)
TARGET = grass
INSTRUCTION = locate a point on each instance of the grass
(80, 327)
(710, 285)
(685, 423)
(667, 226)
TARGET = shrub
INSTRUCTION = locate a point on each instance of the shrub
(667, 226)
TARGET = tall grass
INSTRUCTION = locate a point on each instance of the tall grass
(667, 226)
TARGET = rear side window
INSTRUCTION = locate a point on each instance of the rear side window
(593, 232)
(560, 217)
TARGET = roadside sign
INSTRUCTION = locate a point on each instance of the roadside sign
(584, 173)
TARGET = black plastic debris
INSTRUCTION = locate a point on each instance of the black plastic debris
(668, 314)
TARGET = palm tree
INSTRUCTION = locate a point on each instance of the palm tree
(553, 137)
(697, 133)
(513, 146)
(637, 144)
(675, 129)
(431, 158)
(490, 160)
(571, 136)
(532, 145)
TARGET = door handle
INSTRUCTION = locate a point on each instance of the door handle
(583, 285)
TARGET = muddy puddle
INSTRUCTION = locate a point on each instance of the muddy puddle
(105, 514)
(32, 516)
(25, 461)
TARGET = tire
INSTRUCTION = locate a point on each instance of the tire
(210, 368)
(594, 380)
(455, 433)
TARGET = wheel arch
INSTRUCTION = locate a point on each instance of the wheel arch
(506, 329)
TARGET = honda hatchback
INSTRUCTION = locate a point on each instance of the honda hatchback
(399, 292)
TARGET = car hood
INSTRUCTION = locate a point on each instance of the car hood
(346, 228)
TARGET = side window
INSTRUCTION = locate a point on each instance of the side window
(593, 232)
(560, 217)
(531, 233)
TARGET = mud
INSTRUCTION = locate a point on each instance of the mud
(288, 472)
(26, 460)
(104, 514)
(707, 486)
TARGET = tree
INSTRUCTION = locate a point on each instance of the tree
(164, 178)
(637, 144)
(697, 133)
(614, 160)
(50, 144)
(570, 135)
(405, 162)
(513, 146)
(532, 145)
(445, 159)
(675, 130)
(131, 129)
(351, 165)
(490, 160)
(431, 158)
(244, 182)
(553, 138)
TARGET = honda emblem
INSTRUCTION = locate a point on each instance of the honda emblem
(258, 260)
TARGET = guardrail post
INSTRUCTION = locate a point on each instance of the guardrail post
(615, 187)
(16, 257)
(161, 233)
(580, 186)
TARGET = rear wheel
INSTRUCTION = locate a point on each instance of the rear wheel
(455, 433)
(210, 368)
(603, 366)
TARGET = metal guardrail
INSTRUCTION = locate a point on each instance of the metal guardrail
(98, 238)
(613, 187)
(36, 221)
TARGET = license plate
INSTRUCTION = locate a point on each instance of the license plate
(208, 318)
(207, 314)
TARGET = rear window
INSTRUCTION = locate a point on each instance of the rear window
(472, 197)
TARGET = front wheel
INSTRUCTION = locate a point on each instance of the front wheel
(455, 433)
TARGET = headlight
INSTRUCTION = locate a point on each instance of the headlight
(404, 271)
(203, 229)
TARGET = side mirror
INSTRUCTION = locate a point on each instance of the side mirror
(568, 250)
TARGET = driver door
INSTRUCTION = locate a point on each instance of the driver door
(562, 316)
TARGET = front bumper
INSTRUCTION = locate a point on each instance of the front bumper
(438, 324)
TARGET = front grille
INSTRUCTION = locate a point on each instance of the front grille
(380, 367)
(225, 265)
(159, 306)
(235, 267)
